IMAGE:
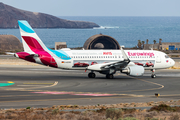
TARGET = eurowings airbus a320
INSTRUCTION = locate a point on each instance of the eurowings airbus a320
(108, 62)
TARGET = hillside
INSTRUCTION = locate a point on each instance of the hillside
(10, 15)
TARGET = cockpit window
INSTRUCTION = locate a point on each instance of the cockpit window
(166, 56)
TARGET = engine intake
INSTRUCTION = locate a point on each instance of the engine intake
(133, 70)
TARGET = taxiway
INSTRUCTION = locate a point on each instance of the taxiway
(41, 86)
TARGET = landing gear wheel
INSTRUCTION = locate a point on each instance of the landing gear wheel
(153, 76)
(109, 76)
(91, 75)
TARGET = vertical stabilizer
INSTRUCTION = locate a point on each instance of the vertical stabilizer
(31, 42)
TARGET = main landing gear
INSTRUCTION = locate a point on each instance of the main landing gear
(109, 76)
(153, 75)
(91, 75)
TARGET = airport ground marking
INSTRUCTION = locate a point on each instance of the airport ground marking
(161, 86)
(22, 95)
(39, 83)
(27, 89)
(55, 83)
(76, 93)
(30, 85)
(94, 94)
(90, 98)
(9, 83)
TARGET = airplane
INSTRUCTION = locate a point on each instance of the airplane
(108, 62)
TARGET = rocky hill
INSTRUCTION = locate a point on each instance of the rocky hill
(10, 15)
(10, 43)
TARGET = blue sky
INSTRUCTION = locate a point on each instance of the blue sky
(100, 7)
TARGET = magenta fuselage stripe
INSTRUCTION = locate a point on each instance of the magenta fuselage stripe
(44, 56)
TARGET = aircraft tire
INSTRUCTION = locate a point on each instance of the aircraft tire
(91, 75)
(153, 76)
(109, 76)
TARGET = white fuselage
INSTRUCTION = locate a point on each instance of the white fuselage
(80, 59)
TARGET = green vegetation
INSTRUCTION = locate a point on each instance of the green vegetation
(28, 108)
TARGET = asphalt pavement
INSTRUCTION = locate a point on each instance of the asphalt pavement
(41, 86)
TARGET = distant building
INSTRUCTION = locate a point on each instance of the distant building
(170, 46)
(60, 45)
(163, 46)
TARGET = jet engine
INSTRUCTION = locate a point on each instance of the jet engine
(133, 70)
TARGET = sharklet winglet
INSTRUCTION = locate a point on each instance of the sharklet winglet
(124, 55)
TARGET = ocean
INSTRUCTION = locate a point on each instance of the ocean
(126, 30)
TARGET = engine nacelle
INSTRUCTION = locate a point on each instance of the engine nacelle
(133, 70)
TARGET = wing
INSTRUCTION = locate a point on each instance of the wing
(111, 65)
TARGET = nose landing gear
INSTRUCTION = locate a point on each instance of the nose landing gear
(153, 75)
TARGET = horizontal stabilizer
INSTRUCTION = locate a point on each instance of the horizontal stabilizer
(33, 55)
(9, 53)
